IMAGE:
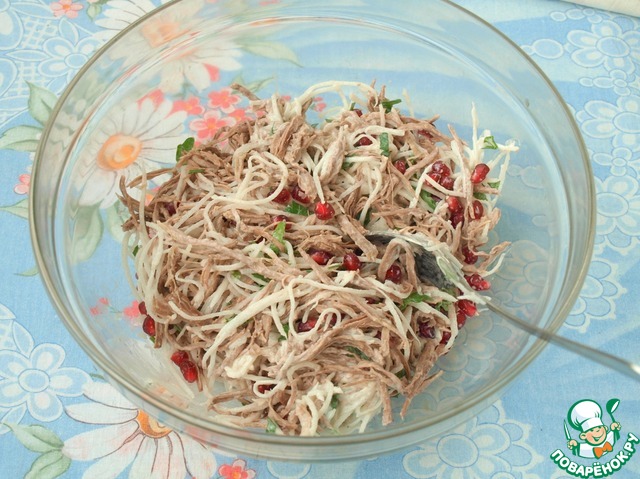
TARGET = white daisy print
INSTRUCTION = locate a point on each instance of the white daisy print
(198, 65)
(136, 137)
(132, 437)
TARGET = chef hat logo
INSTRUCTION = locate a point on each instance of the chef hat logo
(585, 415)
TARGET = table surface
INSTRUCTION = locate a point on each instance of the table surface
(50, 401)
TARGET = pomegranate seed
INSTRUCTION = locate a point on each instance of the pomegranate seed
(447, 182)
(364, 141)
(304, 327)
(189, 371)
(299, 195)
(478, 210)
(373, 300)
(324, 211)
(454, 205)
(480, 172)
(180, 357)
(378, 335)
(461, 318)
(283, 197)
(469, 256)
(149, 326)
(171, 208)
(426, 331)
(467, 307)
(437, 177)
(401, 166)
(358, 111)
(477, 282)
(142, 308)
(263, 388)
(440, 168)
(446, 336)
(351, 262)
(333, 319)
(424, 133)
(394, 274)
(456, 219)
(320, 256)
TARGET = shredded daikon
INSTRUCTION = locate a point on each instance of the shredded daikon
(255, 258)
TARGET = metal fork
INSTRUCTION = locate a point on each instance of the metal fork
(428, 271)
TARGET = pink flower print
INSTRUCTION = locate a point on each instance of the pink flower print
(236, 470)
(214, 72)
(223, 99)
(156, 96)
(95, 310)
(264, 3)
(238, 115)
(23, 187)
(192, 106)
(319, 105)
(65, 8)
(207, 126)
(132, 311)
(104, 301)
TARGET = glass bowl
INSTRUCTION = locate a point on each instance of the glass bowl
(165, 78)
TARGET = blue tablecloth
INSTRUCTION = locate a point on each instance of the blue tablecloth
(58, 419)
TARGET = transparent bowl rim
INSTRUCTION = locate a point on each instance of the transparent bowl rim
(190, 420)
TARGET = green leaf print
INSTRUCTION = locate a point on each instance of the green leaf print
(49, 466)
(21, 138)
(116, 216)
(93, 10)
(273, 50)
(20, 209)
(87, 233)
(36, 438)
(29, 272)
(41, 103)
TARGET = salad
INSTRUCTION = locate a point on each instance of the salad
(259, 264)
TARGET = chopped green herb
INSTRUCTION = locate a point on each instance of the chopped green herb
(278, 235)
(236, 274)
(197, 170)
(226, 320)
(414, 297)
(352, 106)
(357, 352)
(384, 144)
(443, 306)
(152, 339)
(347, 164)
(490, 143)
(135, 250)
(367, 218)
(480, 196)
(335, 401)
(494, 184)
(297, 209)
(272, 427)
(184, 147)
(260, 279)
(401, 374)
(388, 104)
(428, 199)
(286, 332)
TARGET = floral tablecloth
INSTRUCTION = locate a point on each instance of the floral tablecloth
(57, 418)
